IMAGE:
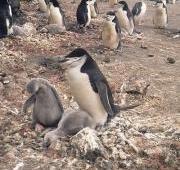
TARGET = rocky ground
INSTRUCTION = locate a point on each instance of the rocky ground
(143, 74)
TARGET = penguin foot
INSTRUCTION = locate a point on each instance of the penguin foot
(39, 127)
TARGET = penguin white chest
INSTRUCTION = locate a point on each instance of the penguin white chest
(84, 95)
(123, 20)
(9, 28)
(42, 5)
(109, 35)
(89, 15)
(56, 16)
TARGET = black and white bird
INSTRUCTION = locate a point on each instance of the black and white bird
(56, 14)
(43, 5)
(6, 20)
(83, 13)
(15, 6)
(160, 18)
(94, 9)
(125, 18)
(138, 12)
(87, 84)
(111, 31)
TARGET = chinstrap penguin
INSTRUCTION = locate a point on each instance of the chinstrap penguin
(138, 12)
(6, 20)
(160, 18)
(15, 6)
(56, 14)
(125, 18)
(111, 31)
(87, 84)
(47, 107)
(83, 14)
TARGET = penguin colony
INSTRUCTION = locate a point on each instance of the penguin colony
(87, 83)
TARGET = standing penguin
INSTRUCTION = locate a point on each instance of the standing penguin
(87, 84)
(138, 12)
(56, 15)
(5, 19)
(125, 18)
(111, 31)
(94, 9)
(160, 18)
(15, 6)
(83, 13)
(43, 5)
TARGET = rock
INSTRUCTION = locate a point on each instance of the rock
(1, 87)
(52, 168)
(6, 80)
(107, 59)
(135, 85)
(102, 163)
(171, 60)
(18, 31)
(44, 30)
(1, 45)
(150, 55)
(88, 145)
(144, 46)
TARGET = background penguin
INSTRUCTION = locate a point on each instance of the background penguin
(15, 6)
(43, 5)
(160, 18)
(83, 13)
(112, 3)
(56, 15)
(138, 12)
(5, 18)
(111, 31)
(94, 9)
(125, 18)
(87, 84)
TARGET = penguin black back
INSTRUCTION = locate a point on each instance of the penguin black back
(126, 8)
(5, 18)
(137, 8)
(95, 75)
(82, 13)
(115, 20)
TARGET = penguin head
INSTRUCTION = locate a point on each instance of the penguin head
(110, 16)
(33, 86)
(123, 5)
(76, 58)
(160, 4)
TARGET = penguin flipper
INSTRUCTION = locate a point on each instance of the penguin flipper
(96, 7)
(103, 93)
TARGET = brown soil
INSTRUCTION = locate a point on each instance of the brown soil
(159, 111)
